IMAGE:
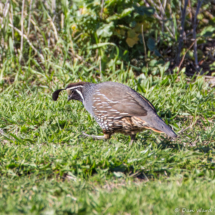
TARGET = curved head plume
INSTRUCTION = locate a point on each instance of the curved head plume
(56, 94)
(74, 91)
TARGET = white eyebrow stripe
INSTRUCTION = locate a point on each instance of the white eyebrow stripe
(73, 87)
(79, 92)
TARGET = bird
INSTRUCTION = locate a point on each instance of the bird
(117, 108)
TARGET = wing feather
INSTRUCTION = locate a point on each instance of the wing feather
(123, 103)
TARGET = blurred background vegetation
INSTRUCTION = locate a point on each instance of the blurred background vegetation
(41, 40)
(46, 166)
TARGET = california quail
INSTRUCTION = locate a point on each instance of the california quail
(116, 108)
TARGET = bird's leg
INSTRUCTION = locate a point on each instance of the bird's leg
(132, 139)
(105, 137)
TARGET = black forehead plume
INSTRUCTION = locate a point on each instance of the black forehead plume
(56, 94)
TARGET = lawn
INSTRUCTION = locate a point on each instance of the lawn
(48, 167)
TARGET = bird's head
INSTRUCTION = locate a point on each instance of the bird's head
(74, 91)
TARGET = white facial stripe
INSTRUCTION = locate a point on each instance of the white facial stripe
(79, 92)
(73, 87)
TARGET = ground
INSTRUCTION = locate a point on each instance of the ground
(48, 167)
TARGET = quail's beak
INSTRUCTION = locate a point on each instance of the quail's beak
(69, 98)
(69, 95)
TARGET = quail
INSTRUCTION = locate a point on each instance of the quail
(116, 108)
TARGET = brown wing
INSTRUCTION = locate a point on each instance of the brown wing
(115, 102)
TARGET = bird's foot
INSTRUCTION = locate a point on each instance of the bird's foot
(132, 140)
(94, 136)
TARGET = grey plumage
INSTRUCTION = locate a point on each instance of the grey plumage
(117, 108)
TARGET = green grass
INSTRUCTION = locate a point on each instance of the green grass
(48, 167)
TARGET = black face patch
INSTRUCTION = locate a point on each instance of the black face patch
(73, 94)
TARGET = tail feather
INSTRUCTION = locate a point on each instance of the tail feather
(158, 125)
